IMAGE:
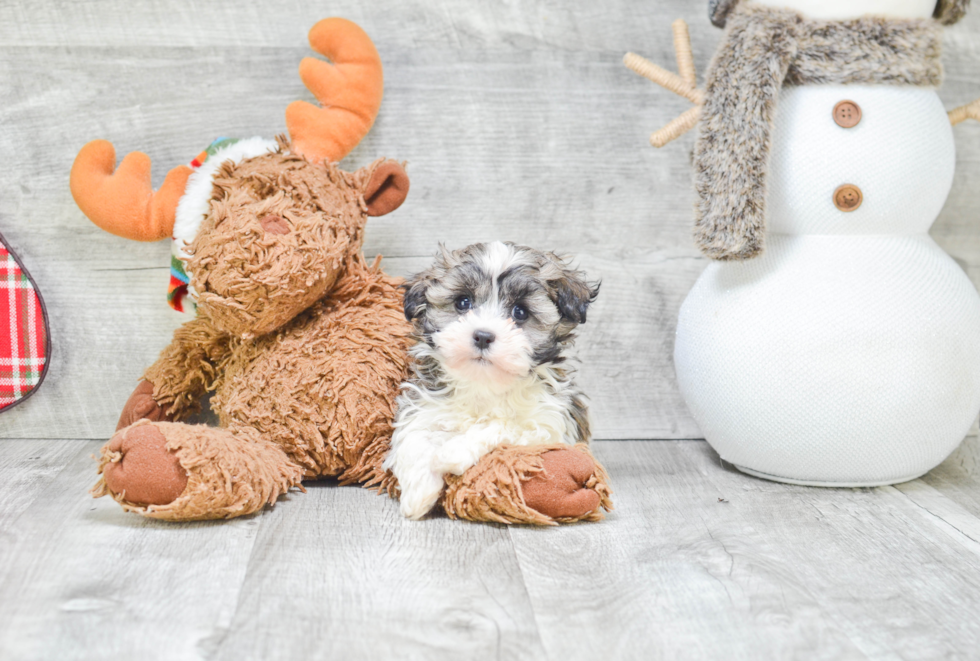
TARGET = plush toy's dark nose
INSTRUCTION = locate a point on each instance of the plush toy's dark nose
(483, 339)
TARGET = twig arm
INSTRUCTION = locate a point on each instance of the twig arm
(667, 80)
(676, 128)
(684, 84)
(685, 58)
(961, 114)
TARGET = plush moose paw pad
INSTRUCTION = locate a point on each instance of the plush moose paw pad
(141, 468)
(563, 488)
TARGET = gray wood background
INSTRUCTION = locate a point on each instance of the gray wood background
(518, 121)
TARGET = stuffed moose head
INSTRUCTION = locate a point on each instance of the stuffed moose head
(303, 343)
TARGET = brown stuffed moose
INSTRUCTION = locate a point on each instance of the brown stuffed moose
(303, 343)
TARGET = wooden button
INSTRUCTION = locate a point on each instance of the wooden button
(847, 114)
(848, 197)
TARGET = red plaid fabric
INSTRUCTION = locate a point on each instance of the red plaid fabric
(23, 333)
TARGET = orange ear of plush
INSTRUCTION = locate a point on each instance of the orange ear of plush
(122, 202)
(386, 189)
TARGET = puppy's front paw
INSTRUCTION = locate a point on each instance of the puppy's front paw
(420, 495)
(455, 458)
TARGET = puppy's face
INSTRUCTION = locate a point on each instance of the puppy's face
(491, 312)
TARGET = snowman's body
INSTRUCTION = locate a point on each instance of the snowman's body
(849, 352)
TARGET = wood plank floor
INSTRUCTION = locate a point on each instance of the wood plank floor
(698, 561)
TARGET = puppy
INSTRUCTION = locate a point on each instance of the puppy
(491, 323)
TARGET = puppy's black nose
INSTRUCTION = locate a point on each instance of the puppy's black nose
(483, 339)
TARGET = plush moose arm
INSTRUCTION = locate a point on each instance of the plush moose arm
(540, 485)
(174, 384)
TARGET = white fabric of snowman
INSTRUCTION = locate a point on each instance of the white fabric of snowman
(832, 342)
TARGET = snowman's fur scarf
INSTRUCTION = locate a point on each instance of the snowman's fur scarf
(764, 49)
(950, 11)
(947, 11)
(462, 401)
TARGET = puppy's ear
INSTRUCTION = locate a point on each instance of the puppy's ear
(414, 300)
(571, 292)
(417, 286)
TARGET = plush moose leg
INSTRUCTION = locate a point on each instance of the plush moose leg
(180, 472)
(541, 485)
(173, 386)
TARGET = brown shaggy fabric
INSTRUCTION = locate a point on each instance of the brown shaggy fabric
(324, 387)
(763, 49)
(188, 367)
(304, 344)
(250, 281)
(493, 489)
(228, 475)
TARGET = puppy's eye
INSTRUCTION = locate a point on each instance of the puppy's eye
(463, 303)
(519, 313)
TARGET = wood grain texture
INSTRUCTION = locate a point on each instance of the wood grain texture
(697, 562)
(702, 562)
(80, 580)
(518, 122)
(27, 468)
(958, 478)
(343, 575)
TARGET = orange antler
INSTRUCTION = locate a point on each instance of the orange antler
(122, 202)
(350, 91)
(684, 85)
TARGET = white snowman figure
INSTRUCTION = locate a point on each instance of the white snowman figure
(832, 342)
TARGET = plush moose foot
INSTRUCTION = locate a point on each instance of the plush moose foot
(542, 485)
(140, 406)
(178, 472)
(141, 469)
(562, 489)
